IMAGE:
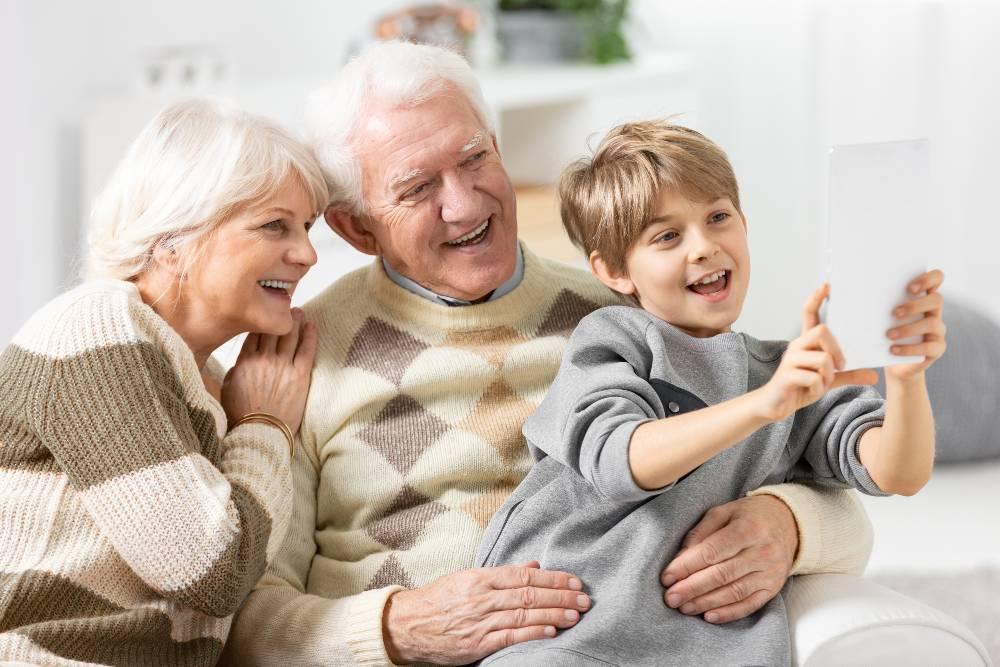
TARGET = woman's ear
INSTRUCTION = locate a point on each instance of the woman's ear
(352, 229)
(167, 258)
(616, 280)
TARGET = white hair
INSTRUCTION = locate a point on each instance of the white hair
(194, 166)
(393, 73)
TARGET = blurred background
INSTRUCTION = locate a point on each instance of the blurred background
(775, 83)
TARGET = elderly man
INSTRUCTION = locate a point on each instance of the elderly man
(429, 361)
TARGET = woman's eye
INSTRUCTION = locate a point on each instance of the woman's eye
(669, 236)
(273, 226)
(719, 217)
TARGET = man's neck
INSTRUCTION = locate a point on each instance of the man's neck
(408, 284)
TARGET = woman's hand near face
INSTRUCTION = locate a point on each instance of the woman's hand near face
(272, 374)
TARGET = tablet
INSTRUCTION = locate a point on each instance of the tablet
(877, 241)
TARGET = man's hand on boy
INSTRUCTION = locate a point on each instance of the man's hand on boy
(810, 366)
(930, 327)
(733, 561)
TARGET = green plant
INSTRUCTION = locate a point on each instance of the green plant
(603, 17)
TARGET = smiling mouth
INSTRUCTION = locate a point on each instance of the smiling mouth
(277, 287)
(472, 238)
(712, 284)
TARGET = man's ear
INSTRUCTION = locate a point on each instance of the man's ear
(618, 281)
(351, 228)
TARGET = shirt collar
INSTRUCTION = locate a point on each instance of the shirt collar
(409, 285)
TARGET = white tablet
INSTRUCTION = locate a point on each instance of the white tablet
(877, 242)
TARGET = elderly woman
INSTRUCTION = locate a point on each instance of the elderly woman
(138, 507)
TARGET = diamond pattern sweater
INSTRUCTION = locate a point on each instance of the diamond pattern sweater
(410, 442)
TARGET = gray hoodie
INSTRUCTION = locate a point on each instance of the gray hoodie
(580, 511)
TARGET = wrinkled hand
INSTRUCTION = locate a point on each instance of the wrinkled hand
(272, 374)
(468, 615)
(810, 366)
(733, 561)
(930, 327)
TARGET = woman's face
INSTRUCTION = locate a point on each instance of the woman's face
(246, 272)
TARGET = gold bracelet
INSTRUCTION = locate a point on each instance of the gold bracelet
(268, 418)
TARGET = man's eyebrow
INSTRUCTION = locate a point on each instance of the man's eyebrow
(404, 178)
(661, 218)
(474, 142)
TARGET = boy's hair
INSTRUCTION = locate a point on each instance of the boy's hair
(608, 200)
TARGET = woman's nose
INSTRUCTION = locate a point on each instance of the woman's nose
(302, 252)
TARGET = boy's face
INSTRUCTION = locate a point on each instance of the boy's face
(688, 243)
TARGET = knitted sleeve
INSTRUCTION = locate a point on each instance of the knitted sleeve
(113, 412)
(281, 624)
(835, 534)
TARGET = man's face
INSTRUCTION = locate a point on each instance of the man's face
(688, 244)
(442, 208)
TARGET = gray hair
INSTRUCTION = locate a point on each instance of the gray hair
(398, 74)
(194, 166)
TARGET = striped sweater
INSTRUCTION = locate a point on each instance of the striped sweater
(410, 442)
(131, 524)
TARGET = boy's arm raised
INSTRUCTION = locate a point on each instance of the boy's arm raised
(807, 371)
(899, 456)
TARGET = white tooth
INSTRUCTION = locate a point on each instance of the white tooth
(472, 234)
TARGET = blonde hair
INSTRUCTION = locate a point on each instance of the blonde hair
(194, 166)
(606, 201)
(399, 74)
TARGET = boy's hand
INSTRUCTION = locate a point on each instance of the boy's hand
(930, 327)
(809, 367)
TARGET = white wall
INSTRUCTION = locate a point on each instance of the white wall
(779, 81)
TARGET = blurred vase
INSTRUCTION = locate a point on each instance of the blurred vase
(539, 36)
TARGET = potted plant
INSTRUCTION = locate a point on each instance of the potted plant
(561, 30)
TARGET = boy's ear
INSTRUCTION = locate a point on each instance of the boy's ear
(352, 229)
(619, 282)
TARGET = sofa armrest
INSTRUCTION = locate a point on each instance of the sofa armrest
(838, 619)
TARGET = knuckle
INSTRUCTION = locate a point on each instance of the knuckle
(520, 619)
(528, 596)
(524, 576)
(710, 552)
(739, 590)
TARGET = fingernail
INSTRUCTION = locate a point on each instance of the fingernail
(893, 334)
(898, 312)
(575, 584)
(550, 631)
(712, 617)
(669, 580)
(673, 600)
(582, 601)
(895, 349)
(914, 288)
(571, 614)
(687, 608)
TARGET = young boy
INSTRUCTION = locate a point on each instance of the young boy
(660, 412)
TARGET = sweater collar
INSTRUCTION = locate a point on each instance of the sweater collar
(418, 289)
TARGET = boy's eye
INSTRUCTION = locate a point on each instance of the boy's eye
(668, 236)
(721, 216)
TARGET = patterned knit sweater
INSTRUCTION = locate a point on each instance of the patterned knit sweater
(410, 442)
(131, 524)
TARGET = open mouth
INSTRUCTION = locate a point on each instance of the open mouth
(280, 288)
(713, 284)
(472, 238)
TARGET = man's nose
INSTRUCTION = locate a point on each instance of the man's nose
(459, 200)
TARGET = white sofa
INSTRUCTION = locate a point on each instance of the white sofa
(838, 620)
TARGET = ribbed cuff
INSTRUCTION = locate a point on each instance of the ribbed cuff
(834, 532)
(364, 626)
